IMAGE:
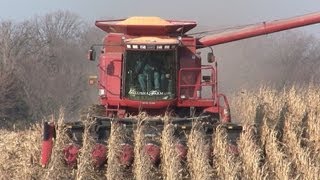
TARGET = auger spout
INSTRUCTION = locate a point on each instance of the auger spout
(257, 30)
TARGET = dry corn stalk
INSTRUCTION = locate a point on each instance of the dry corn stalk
(280, 166)
(251, 155)
(226, 164)
(85, 162)
(198, 154)
(143, 168)
(20, 154)
(294, 131)
(171, 165)
(117, 137)
(57, 168)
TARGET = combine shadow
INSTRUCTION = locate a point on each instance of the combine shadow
(279, 126)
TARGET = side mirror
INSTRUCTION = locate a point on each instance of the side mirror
(211, 58)
(91, 54)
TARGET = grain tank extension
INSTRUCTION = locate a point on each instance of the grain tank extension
(151, 65)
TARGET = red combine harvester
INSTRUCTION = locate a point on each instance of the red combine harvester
(152, 65)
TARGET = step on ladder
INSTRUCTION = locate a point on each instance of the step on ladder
(114, 111)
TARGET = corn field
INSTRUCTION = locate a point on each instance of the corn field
(280, 140)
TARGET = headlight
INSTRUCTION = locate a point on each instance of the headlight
(143, 47)
(159, 46)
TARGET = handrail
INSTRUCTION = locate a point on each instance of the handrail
(212, 83)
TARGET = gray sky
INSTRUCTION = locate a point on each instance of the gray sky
(211, 13)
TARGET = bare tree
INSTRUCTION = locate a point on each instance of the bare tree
(12, 105)
(14, 43)
(57, 73)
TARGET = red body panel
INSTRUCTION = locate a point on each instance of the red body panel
(138, 104)
(71, 154)
(188, 59)
(110, 78)
(47, 143)
(113, 74)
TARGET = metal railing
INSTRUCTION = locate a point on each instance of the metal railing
(198, 84)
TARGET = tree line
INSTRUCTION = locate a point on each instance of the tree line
(43, 65)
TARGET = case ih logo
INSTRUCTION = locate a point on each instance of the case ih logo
(150, 93)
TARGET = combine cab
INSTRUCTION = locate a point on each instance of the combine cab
(151, 65)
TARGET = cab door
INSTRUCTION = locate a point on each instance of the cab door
(113, 71)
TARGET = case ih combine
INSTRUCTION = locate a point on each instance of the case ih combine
(152, 65)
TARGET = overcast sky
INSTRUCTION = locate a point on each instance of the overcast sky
(212, 13)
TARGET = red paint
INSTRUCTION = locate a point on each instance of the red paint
(153, 151)
(71, 154)
(233, 149)
(224, 110)
(126, 157)
(46, 152)
(99, 155)
(181, 150)
(47, 143)
(188, 85)
(113, 67)
(261, 29)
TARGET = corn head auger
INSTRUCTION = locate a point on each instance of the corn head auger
(152, 65)
(153, 126)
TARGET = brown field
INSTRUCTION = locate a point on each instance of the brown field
(281, 141)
